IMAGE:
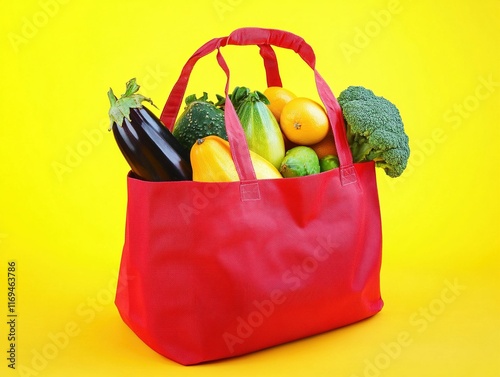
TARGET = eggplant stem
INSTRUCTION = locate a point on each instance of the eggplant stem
(120, 108)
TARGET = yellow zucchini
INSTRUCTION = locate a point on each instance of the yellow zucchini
(211, 161)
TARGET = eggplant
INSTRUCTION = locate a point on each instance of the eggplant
(150, 149)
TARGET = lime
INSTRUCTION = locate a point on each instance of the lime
(329, 162)
(299, 161)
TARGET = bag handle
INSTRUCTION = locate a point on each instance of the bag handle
(270, 65)
(284, 39)
(176, 97)
(263, 38)
(238, 142)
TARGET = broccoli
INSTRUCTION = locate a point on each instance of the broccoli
(375, 130)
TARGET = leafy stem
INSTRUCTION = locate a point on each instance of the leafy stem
(120, 108)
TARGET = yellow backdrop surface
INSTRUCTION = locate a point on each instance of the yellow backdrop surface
(63, 193)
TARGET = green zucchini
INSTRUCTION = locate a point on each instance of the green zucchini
(261, 129)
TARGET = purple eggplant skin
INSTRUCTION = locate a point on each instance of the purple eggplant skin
(150, 149)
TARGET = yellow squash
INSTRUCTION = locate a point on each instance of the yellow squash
(212, 162)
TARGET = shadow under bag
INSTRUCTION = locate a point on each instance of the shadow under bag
(215, 270)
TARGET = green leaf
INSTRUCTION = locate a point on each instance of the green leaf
(204, 97)
(221, 101)
(262, 97)
(238, 96)
(191, 98)
(120, 108)
(131, 88)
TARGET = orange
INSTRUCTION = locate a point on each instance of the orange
(304, 121)
(278, 98)
(326, 146)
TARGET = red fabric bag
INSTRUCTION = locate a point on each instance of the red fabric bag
(215, 270)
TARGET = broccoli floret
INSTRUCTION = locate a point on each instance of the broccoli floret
(375, 130)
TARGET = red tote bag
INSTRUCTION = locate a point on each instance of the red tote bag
(215, 270)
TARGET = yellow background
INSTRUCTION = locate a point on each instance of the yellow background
(62, 202)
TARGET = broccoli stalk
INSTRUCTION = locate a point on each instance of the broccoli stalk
(375, 130)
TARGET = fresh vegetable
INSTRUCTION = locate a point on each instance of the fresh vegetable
(328, 162)
(152, 152)
(212, 162)
(304, 121)
(200, 118)
(299, 161)
(262, 131)
(375, 130)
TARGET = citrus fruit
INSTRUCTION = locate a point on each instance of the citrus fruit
(326, 146)
(328, 162)
(278, 98)
(304, 121)
(299, 161)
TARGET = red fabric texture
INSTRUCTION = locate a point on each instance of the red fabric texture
(215, 270)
